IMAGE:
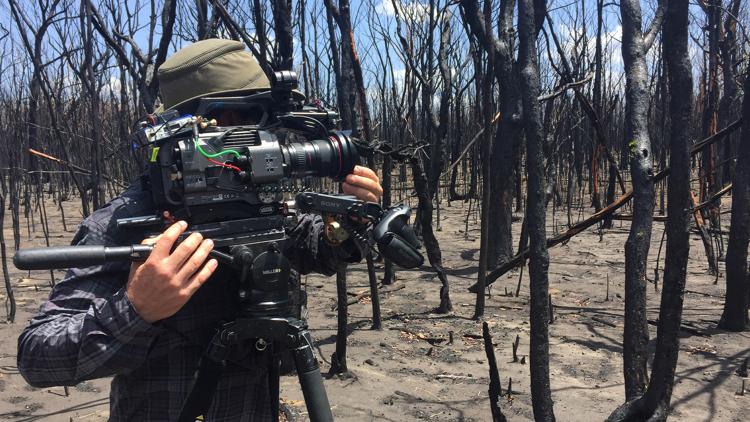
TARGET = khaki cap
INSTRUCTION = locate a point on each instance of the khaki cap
(208, 68)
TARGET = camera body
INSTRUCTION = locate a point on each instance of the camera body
(207, 172)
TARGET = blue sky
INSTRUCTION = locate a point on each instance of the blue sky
(366, 15)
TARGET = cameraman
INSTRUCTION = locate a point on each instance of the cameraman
(148, 323)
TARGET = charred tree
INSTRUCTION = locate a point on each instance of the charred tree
(342, 16)
(495, 389)
(282, 20)
(678, 238)
(487, 109)
(654, 404)
(634, 47)
(338, 358)
(504, 150)
(88, 80)
(424, 215)
(735, 314)
(530, 18)
(11, 299)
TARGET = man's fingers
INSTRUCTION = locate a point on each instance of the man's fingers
(186, 248)
(167, 239)
(196, 260)
(367, 184)
(361, 193)
(197, 280)
(366, 172)
(150, 240)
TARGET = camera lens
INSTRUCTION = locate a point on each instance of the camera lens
(333, 157)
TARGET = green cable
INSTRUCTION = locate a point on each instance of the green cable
(207, 155)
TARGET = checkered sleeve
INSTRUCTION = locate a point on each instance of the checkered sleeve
(88, 328)
(76, 337)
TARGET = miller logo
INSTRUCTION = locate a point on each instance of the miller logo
(272, 271)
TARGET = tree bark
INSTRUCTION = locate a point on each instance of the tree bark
(434, 255)
(635, 341)
(528, 23)
(654, 404)
(338, 358)
(282, 19)
(735, 314)
(678, 204)
(3, 255)
(502, 159)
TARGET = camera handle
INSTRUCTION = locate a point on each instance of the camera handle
(392, 232)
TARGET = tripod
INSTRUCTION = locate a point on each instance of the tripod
(260, 320)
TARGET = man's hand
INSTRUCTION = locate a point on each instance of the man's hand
(364, 184)
(161, 285)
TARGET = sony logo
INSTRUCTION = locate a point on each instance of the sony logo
(329, 204)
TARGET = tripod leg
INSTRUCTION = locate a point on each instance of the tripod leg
(273, 383)
(311, 381)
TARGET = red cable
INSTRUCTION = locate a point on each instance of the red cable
(235, 168)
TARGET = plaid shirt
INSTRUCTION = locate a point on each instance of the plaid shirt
(89, 329)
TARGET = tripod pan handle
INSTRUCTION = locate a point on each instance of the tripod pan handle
(77, 256)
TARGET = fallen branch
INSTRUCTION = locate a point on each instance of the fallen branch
(451, 377)
(723, 191)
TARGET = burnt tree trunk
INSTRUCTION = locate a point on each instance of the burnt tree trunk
(424, 213)
(486, 151)
(282, 22)
(635, 341)
(502, 158)
(654, 404)
(338, 359)
(88, 80)
(530, 17)
(495, 389)
(342, 16)
(735, 315)
(11, 300)
(659, 391)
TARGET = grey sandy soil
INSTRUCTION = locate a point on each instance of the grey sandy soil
(407, 371)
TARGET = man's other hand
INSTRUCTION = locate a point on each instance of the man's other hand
(161, 285)
(364, 184)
